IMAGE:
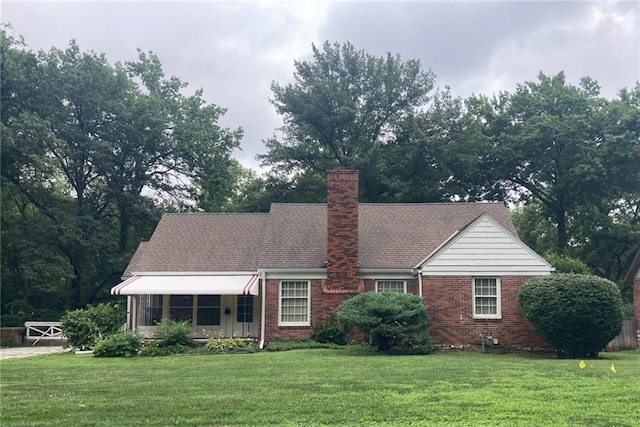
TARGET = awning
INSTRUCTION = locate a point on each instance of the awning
(188, 285)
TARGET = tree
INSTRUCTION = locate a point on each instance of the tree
(577, 314)
(347, 108)
(544, 143)
(96, 150)
(395, 322)
(574, 155)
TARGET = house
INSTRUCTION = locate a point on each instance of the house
(633, 277)
(273, 276)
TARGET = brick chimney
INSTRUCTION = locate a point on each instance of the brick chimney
(342, 231)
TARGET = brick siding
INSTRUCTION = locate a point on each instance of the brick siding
(449, 301)
(449, 306)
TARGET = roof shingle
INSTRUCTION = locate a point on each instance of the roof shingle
(291, 236)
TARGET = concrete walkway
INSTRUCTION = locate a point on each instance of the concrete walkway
(15, 352)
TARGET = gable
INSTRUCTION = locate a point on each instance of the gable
(484, 247)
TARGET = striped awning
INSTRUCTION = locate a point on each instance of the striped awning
(188, 285)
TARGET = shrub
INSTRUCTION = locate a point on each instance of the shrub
(120, 344)
(229, 345)
(153, 349)
(577, 314)
(172, 332)
(396, 323)
(10, 341)
(298, 344)
(329, 332)
(85, 326)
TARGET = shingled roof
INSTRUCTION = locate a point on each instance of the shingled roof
(294, 236)
(196, 242)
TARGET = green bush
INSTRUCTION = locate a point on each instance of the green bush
(396, 323)
(298, 344)
(229, 345)
(172, 332)
(85, 326)
(577, 314)
(120, 344)
(10, 341)
(153, 349)
(329, 332)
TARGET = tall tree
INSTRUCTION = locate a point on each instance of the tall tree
(345, 108)
(576, 155)
(95, 149)
(544, 142)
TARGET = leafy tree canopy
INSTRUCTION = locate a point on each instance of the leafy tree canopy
(348, 108)
(91, 153)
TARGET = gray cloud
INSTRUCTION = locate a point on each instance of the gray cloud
(234, 50)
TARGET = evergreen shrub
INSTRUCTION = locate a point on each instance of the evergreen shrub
(329, 332)
(396, 323)
(577, 314)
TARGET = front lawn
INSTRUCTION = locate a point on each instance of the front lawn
(321, 387)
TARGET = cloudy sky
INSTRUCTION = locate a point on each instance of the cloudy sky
(234, 50)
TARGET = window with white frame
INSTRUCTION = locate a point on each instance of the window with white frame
(486, 298)
(294, 303)
(399, 286)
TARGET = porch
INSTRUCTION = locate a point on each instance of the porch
(211, 316)
(216, 305)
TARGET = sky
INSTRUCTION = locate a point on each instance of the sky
(234, 50)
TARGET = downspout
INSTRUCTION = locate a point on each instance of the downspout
(263, 314)
(419, 270)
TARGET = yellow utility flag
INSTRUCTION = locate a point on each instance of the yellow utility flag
(582, 364)
(613, 369)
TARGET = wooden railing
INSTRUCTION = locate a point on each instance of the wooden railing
(43, 331)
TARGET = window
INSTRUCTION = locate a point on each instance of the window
(399, 286)
(486, 298)
(208, 310)
(150, 311)
(294, 303)
(181, 307)
(245, 309)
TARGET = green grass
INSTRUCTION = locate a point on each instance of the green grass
(321, 387)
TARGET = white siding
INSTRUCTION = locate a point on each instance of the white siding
(485, 248)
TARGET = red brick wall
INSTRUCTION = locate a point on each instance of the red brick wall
(323, 306)
(342, 230)
(449, 301)
(449, 305)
